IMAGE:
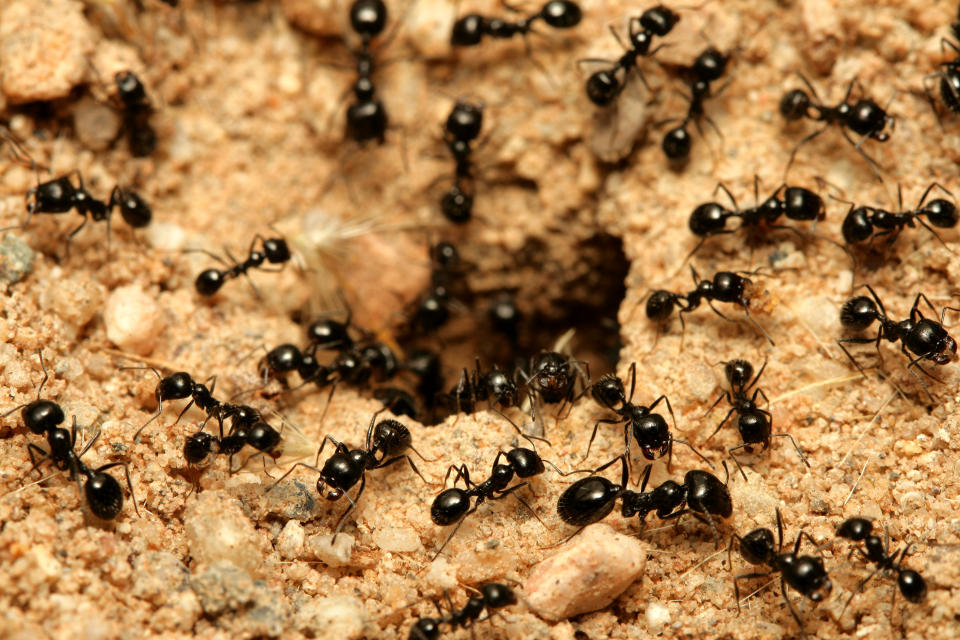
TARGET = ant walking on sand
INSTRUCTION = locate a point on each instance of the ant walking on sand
(490, 597)
(469, 30)
(910, 583)
(591, 499)
(866, 223)
(649, 429)
(753, 423)
(386, 444)
(605, 85)
(864, 117)
(273, 250)
(805, 574)
(707, 68)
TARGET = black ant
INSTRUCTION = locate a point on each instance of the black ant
(753, 423)
(864, 117)
(136, 114)
(462, 128)
(920, 338)
(491, 596)
(496, 386)
(366, 116)
(605, 85)
(273, 250)
(505, 317)
(385, 444)
(707, 68)
(725, 286)
(796, 203)
(258, 434)
(553, 376)
(469, 30)
(949, 74)
(400, 402)
(649, 429)
(103, 493)
(910, 583)
(591, 499)
(866, 223)
(453, 505)
(805, 574)
(40, 415)
(432, 310)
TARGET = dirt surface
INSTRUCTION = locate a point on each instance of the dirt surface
(250, 127)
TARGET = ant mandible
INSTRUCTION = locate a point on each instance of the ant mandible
(866, 223)
(591, 499)
(141, 137)
(910, 583)
(461, 129)
(273, 250)
(469, 30)
(388, 439)
(805, 574)
(707, 68)
(649, 429)
(605, 85)
(753, 423)
(864, 117)
(492, 596)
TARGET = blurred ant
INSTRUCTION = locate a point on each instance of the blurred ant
(505, 317)
(432, 310)
(141, 137)
(805, 574)
(920, 338)
(400, 402)
(910, 583)
(864, 117)
(366, 116)
(273, 250)
(469, 30)
(605, 85)
(753, 423)
(462, 128)
(453, 504)
(867, 223)
(707, 68)
(649, 429)
(491, 596)
(949, 74)
(385, 444)
(591, 499)
(796, 203)
(102, 491)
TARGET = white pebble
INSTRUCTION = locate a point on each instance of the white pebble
(291, 539)
(219, 531)
(332, 554)
(658, 616)
(333, 618)
(398, 539)
(133, 320)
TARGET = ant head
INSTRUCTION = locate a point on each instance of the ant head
(867, 118)
(707, 219)
(659, 20)
(276, 250)
(561, 14)
(503, 388)
(676, 144)
(526, 463)
(660, 305)
(176, 386)
(738, 373)
(941, 213)
(668, 496)
(445, 256)
(794, 105)
(368, 17)
(652, 434)
(449, 506)
(856, 226)
(198, 446)
(327, 334)
(340, 472)
(286, 357)
(367, 118)
(608, 391)
(855, 529)
(587, 500)
(425, 629)
(858, 313)
(133, 209)
(496, 595)
(129, 88)
(465, 121)
(504, 314)
(501, 476)
(42, 415)
(757, 546)
(392, 436)
(60, 442)
(754, 427)
(602, 87)
(263, 437)
(811, 577)
(802, 204)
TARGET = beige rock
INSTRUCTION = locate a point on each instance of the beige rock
(321, 17)
(334, 618)
(44, 46)
(290, 542)
(824, 33)
(397, 539)
(133, 319)
(96, 123)
(217, 530)
(332, 553)
(585, 575)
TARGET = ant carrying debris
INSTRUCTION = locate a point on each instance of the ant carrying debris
(141, 137)
(649, 429)
(259, 434)
(469, 30)
(796, 203)
(866, 223)
(864, 117)
(753, 423)
(920, 338)
(385, 444)
(491, 597)
(605, 85)
(591, 499)
(910, 583)
(461, 129)
(273, 250)
(102, 491)
(708, 67)
(453, 505)
(805, 574)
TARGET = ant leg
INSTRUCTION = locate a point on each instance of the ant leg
(292, 469)
(412, 466)
(793, 154)
(722, 422)
(721, 186)
(353, 503)
(669, 408)
(783, 589)
(453, 533)
(699, 455)
(126, 471)
(795, 446)
(739, 468)
(529, 439)
(858, 146)
(745, 576)
(644, 477)
(594, 434)
(31, 448)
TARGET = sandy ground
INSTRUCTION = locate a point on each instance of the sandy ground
(250, 130)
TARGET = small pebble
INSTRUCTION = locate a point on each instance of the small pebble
(133, 319)
(157, 576)
(291, 539)
(96, 123)
(397, 539)
(658, 616)
(16, 259)
(332, 554)
(333, 618)
(587, 574)
(218, 531)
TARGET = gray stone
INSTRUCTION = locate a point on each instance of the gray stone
(16, 259)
